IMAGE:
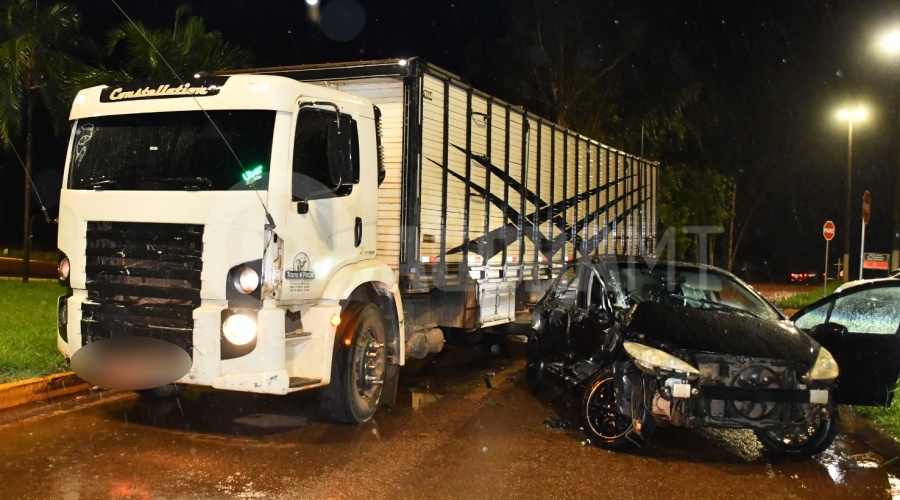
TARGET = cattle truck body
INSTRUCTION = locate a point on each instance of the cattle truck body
(459, 203)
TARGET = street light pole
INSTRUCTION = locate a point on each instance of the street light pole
(895, 252)
(849, 115)
(847, 206)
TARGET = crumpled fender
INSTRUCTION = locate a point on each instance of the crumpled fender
(628, 387)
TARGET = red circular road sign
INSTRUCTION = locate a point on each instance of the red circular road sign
(867, 207)
(828, 230)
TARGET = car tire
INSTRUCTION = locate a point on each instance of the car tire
(163, 392)
(802, 441)
(535, 359)
(603, 424)
(358, 367)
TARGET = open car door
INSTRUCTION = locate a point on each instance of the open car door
(860, 326)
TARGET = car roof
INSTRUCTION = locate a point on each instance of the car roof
(650, 261)
(857, 283)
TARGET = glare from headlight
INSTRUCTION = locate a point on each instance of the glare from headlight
(248, 280)
(239, 329)
(825, 367)
(64, 268)
(650, 359)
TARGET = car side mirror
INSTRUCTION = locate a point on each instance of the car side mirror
(828, 329)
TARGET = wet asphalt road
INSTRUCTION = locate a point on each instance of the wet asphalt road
(450, 436)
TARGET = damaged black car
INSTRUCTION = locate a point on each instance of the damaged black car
(652, 343)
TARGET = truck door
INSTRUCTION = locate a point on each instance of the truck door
(331, 221)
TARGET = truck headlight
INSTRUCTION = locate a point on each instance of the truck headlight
(244, 283)
(247, 280)
(649, 359)
(825, 367)
(63, 268)
(239, 329)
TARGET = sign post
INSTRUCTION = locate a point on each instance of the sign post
(828, 233)
(866, 213)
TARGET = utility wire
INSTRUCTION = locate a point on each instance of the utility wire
(34, 188)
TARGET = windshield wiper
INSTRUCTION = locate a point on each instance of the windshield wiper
(102, 184)
(187, 183)
(716, 305)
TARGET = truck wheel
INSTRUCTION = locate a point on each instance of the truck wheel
(802, 440)
(358, 367)
(603, 424)
(163, 392)
(535, 377)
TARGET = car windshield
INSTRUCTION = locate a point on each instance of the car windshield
(698, 288)
(185, 150)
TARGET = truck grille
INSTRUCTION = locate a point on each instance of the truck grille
(143, 279)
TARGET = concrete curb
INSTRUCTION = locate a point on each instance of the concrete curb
(873, 435)
(37, 389)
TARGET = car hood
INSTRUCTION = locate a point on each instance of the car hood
(722, 332)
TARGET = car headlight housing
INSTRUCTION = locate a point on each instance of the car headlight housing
(650, 360)
(825, 368)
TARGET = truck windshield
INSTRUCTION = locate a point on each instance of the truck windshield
(173, 151)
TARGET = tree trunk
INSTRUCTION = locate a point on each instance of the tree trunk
(26, 237)
(730, 256)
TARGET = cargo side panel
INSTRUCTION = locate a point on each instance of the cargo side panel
(483, 203)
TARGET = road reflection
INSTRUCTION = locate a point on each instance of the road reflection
(463, 426)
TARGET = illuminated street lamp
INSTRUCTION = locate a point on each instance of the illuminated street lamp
(849, 115)
(889, 45)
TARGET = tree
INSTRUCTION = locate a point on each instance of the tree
(690, 197)
(604, 70)
(36, 59)
(559, 65)
(185, 50)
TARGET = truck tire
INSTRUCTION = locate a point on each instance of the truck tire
(358, 366)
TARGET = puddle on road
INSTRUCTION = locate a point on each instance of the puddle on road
(273, 421)
(844, 468)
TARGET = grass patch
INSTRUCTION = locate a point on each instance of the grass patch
(16, 253)
(801, 300)
(886, 417)
(28, 338)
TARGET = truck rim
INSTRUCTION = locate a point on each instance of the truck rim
(370, 365)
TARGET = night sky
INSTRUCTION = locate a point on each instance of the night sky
(772, 74)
